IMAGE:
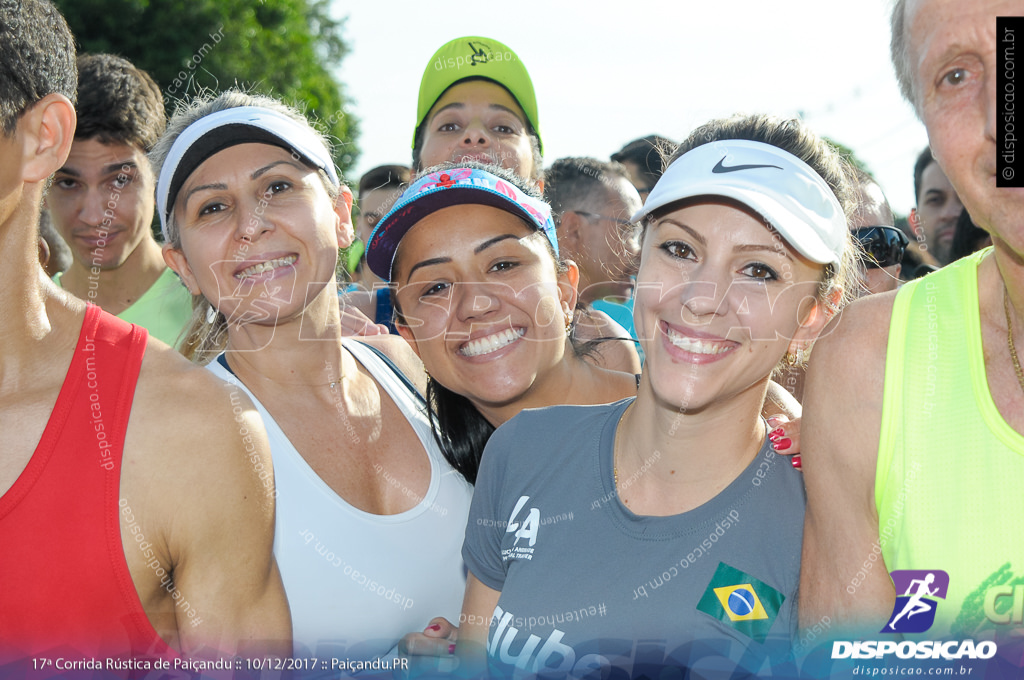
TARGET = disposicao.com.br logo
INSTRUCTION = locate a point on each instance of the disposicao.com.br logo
(914, 612)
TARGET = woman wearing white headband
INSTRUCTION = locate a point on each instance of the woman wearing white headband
(669, 519)
(253, 214)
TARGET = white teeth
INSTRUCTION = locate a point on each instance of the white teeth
(265, 266)
(491, 343)
(695, 346)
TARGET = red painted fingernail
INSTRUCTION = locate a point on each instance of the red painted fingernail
(777, 432)
(436, 626)
(782, 444)
(451, 648)
(795, 460)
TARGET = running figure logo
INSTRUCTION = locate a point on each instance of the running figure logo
(914, 611)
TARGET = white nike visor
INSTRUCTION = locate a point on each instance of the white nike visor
(780, 187)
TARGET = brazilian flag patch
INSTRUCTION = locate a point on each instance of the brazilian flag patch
(740, 601)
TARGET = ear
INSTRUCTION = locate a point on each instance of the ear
(175, 259)
(570, 231)
(568, 284)
(821, 312)
(48, 128)
(44, 252)
(407, 335)
(343, 210)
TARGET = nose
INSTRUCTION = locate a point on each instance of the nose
(476, 134)
(254, 222)
(96, 206)
(475, 301)
(704, 295)
(990, 108)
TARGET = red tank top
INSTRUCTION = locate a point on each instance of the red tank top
(64, 582)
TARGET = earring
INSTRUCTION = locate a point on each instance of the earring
(211, 314)
(568, 323)
(797, 358)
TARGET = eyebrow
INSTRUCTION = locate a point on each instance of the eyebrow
(461, 105)
(751, 247)
(764, 248)
(108, 169)
(697, 237)
(476, 251)
(266, 168)
(256, 174)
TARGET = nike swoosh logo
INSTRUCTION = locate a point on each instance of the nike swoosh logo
(719, 168)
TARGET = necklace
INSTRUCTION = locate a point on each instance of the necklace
(1009, 338)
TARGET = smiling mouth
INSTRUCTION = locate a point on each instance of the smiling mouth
(695, 345)
(263, 267)
(491, 343)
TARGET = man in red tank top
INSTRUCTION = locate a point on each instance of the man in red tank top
(136, 516)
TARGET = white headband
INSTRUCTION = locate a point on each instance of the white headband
(783, 189)
(218, 131)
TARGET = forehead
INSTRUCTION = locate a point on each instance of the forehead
(871, 210)
(240, 158)
(92, 155)
(934, 179)
(478, 93)
(940, 28)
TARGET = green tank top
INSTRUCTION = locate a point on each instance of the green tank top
(164, 310)
(949, 486)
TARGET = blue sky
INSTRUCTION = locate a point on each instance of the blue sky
(608, 72)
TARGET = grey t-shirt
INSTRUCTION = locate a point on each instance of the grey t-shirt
(586, 584)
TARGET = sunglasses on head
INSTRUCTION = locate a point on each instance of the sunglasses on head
(882, 246)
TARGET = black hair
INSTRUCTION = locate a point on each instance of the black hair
(37, 58)
(966, 237)
(383, 177)
(118, 103)
(647, 153)
(924, 159)
(572, 183)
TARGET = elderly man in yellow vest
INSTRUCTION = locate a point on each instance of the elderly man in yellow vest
(914, 454)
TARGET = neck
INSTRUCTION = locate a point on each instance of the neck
(28, 300)
(565, 383)
(115, 290)
(669, 461)
(1010, 268)
(300, 351)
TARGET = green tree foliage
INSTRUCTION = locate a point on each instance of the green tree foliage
(284, 48)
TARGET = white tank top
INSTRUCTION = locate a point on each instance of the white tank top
(357, 582)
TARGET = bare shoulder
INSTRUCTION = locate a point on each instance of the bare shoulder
(845, 384)
(184, 413)
(840, 441)
(860, 331)
(615, 350)
(399, 351)
(198, 478)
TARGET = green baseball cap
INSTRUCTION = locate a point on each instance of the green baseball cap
(476, 57)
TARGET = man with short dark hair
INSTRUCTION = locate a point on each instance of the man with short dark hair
(938, 207)
(591, 203)
(102, 200)
(136, 503)
(379, 188)
(914, 431)
(643, 160)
